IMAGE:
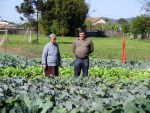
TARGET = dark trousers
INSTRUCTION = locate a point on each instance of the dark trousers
(81, 64)
(51, 71)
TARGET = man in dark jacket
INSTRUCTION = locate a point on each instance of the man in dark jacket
(82, 48)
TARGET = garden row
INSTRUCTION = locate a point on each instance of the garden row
(17, 61)
(101, 72)
(69, 95)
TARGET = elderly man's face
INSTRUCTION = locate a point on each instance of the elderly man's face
(53, 39)
(82, 35)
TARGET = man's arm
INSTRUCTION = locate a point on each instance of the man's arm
(59, 56)
(44, 56)
(73, 47)
(91, 46)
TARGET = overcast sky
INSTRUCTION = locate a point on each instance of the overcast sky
(98, 8)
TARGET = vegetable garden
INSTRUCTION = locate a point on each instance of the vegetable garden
(110, 88)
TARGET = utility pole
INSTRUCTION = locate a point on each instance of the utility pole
(35, 2)
(37, 27)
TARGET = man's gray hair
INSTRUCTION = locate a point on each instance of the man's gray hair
(52, 35)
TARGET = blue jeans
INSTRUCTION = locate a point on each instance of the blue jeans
(81, 64)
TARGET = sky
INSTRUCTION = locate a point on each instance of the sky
(98, 8)
(115, 8)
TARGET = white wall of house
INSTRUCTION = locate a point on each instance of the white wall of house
(3, 24)
(101, 21)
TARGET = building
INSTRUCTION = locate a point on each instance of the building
(3, 24)
(96, 21)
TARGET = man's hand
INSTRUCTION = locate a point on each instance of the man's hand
(44, 67)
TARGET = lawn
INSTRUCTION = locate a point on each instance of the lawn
(105, 48)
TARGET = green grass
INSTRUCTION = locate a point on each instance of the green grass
(106, 48)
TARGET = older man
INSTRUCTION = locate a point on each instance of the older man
(82, 48)
(51, 57)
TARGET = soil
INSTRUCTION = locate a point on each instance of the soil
(16, 51)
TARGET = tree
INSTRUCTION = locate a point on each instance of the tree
(126, 29)
(141, 26)
(106, 19)
(89, 25)
(61, 16)
(121, 21)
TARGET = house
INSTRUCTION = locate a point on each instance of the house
(101, 21)
(96, 20)
(3, 24)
